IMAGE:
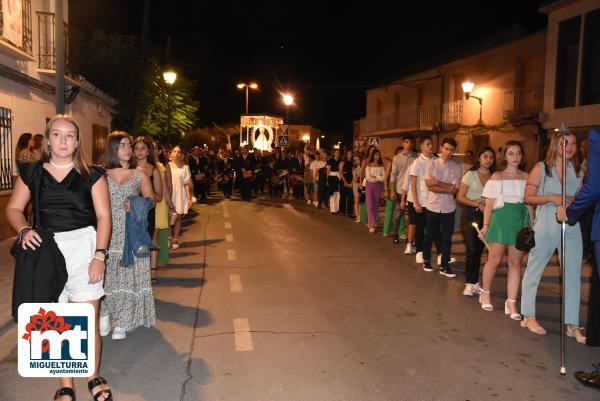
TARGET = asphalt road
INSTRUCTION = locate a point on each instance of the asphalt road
(275, 300)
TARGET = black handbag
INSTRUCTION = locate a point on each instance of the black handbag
(525, 240)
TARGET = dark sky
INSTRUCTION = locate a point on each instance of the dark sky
(326, 53)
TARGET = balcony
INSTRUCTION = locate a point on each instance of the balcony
(419, 119)
(15, 38)
(47, 48)
(523, 103)
(452, 114)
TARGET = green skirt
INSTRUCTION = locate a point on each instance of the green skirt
(506, 222)
(389, 217)
(363, 212)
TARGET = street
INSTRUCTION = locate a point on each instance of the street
(276, 300)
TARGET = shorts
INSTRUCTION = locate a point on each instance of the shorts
(78, 248)
(412, 213)
(310, 187)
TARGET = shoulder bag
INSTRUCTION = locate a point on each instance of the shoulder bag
(525, 240)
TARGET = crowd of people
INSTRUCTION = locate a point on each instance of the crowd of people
(128, 213)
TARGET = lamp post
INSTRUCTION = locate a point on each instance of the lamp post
(288, 100)
(247, 86)
(170, 77)
(467, 88)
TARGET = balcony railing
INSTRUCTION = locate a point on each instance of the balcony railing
(523, 102)
(47, 48)
(452, 113)
(421, 118)
(23, 40)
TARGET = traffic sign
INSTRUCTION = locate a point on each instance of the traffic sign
(284, 129)
(283, 140)
(374, 141)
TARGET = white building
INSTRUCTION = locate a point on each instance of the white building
(27, 90)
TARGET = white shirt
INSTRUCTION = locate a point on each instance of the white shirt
(416, 169)
(513, 191)
(374, 174)
(316, 165)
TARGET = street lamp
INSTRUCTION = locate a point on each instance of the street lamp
(170, 77)
(288, 100)
(467, 88)
(247, 86)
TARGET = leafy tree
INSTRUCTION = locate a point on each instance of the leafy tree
(163, 106)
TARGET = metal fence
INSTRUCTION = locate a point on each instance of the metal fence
(523, 102)
(27, 43)
(417, 118)
(6, 180)
(47, 48)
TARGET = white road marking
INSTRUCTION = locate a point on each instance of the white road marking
(226, 214)
(228, 225)
(231, 254)
(243, 337)
(235, 283)
(229, 237)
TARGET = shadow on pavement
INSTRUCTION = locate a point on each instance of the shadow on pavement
(174, 312)
(180, 282)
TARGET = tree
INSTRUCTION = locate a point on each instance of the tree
(163, 106)
(112, 62)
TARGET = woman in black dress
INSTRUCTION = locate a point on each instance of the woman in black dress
(74, 205)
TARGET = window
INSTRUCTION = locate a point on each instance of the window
(99, 135)
(590, 65)
(6, 159)
(566, 62)
(397, 100)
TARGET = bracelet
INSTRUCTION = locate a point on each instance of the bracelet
(98, 258)
(22, 232)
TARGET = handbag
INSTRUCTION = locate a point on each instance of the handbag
(525, 240)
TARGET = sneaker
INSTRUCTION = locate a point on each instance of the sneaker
(119, 333)
(372, 230)
(357, 220)
(476, 289)
(315, 203)
(308, 202)
(468, 291)
(446, 271)
(419, 258)
(427, 266)
(104, 326)
(439, 260)
(409, 249)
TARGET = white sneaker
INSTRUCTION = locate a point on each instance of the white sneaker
(409, 249)
(308, 202)
(315, 203)
(439, 260)
(357, 220)
(419, 258)
(104, 326)
(119, 333)
(371, 230)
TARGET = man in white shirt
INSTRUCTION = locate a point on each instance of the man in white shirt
(442, 177)
(400, 164)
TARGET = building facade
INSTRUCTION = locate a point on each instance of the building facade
(508, 79)
(27, 86)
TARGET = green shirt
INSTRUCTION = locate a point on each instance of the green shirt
(471, 179)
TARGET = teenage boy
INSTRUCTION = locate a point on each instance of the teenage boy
(400, 164)
(416, 194)
(442, 177)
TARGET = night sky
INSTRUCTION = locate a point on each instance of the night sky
(326, 53)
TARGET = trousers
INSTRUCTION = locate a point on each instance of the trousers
(434, 223)
(373, 193)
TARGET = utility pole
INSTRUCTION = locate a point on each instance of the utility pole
(59, 56)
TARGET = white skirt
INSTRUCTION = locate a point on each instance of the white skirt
(78, 248)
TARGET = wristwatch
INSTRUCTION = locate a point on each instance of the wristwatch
(103, 251)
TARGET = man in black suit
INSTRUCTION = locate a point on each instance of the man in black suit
(198, 165)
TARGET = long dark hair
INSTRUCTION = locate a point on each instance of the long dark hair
(477, 164)
(503, 162)
(372, 158)
(23, 142)
(162, 157)
(112, 149)
(149, 146)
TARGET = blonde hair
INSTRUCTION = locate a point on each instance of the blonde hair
(79, 159)
(553, 149)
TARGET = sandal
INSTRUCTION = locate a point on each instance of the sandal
(65, 391)
(486, 307)
(536, 330)
(98, 381)
(574, 331)
(153, 275)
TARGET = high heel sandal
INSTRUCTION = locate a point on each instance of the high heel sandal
(486, 307)
(507, 311)
(98, 381)
(154, 275)
(65, 391)
(538, 330)
(574, 331)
